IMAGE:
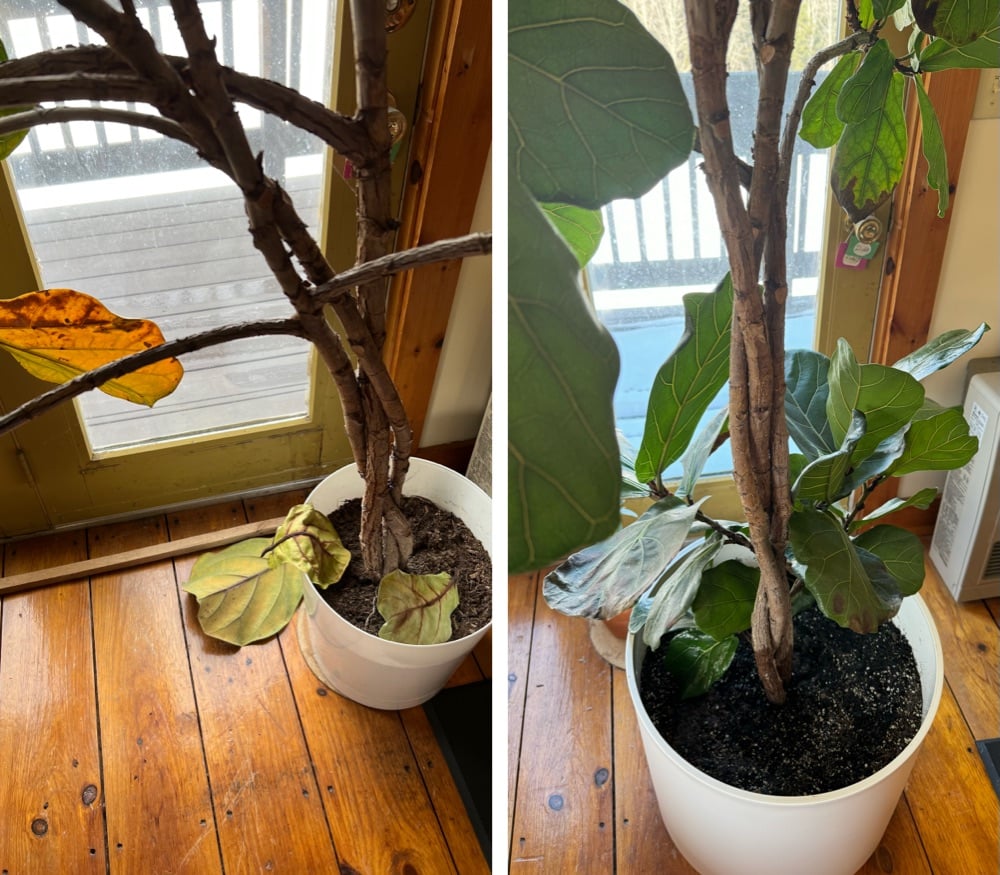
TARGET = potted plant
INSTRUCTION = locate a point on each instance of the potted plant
(251, 590)
(597, 112)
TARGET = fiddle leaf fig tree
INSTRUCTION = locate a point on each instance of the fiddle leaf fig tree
(806, 539)
(248, 591)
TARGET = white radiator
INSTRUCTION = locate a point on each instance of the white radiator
(966, 544)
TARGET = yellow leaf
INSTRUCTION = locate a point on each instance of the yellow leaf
(57, 334)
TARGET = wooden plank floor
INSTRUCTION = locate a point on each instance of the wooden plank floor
(131, 743)
(580, 796)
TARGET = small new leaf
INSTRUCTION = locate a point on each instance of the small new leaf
(417, 608)
(241, 598)
(307, 540)
(697, 660)
(820, 125)
(581, 229)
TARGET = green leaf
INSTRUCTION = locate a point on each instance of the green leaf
(676, 591)
(960, 22)
(882, 9)
(725, 600)
(806, 392)
(887, 397)
(595, 106)
(241, 598)
(581, 229)
(697, 660)
(822, 480)
(876, 462)
(693, 461)
(820, 125)
(607, 578)
(982, 53)
(307, 540)
(868, 162)
(933, 147)
(687, 381)
(940, 443)
(866, 13)
(825, 558)
(565, 424)
(864, 93)
(921, 499)
(900, 551)
(417, 608)
(940, 352)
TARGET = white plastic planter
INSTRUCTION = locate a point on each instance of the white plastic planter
(363, 667)
(722, 830)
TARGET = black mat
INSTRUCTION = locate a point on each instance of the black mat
(989, 750)
(462, 721)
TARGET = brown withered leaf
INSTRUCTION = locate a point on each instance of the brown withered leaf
(57, 334)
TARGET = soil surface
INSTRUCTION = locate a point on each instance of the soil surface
(853, 704)
(441, 542)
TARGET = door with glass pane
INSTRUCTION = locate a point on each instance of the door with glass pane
(138, 221)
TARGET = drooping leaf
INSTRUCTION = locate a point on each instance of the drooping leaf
(308, 540)
(565, 424)
(241, 598)
(595, 106)
(820, 125)
(806, 392)
(921, 499)
(822, 480)
(932, 143)
(58, 334)
(675, 593)
(900, 551)
(940, 352)
(982, 53)
(693, 461)
(687, 381)
(581, 229)
(724, 603)
(417, 608)
(887, 397)
(960, 22)
(607, 578)
(869, 159)
(879, 461)
(697, 660)
(864, 94)
(827, 562)
(940, 443)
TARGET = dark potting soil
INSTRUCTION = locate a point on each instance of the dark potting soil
(853, 704)
(441, 542)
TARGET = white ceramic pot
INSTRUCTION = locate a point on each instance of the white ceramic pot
(363, 667)
(722, 830)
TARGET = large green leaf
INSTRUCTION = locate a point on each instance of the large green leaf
(674, 594)
(940, 352)
(697, 660)
(563, 469)
(932, 144)
(822, 480)
(868, 162)
(982, 53)
(820, 125)
(900, 551)
(940, 443)
(960, 22)
(829, 565)
(921, 499)
(724, 603)
(864, 93)
(581, 229)
(687, 381)
(887, 397)
(241, 598)
(307, 539)
(595, 106)
(607, 578)
(417, 608)
(806, 393)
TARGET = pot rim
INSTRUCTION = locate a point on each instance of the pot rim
(633, 646)
(390, 646)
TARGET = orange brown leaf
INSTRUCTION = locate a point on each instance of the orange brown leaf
(58, 334)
